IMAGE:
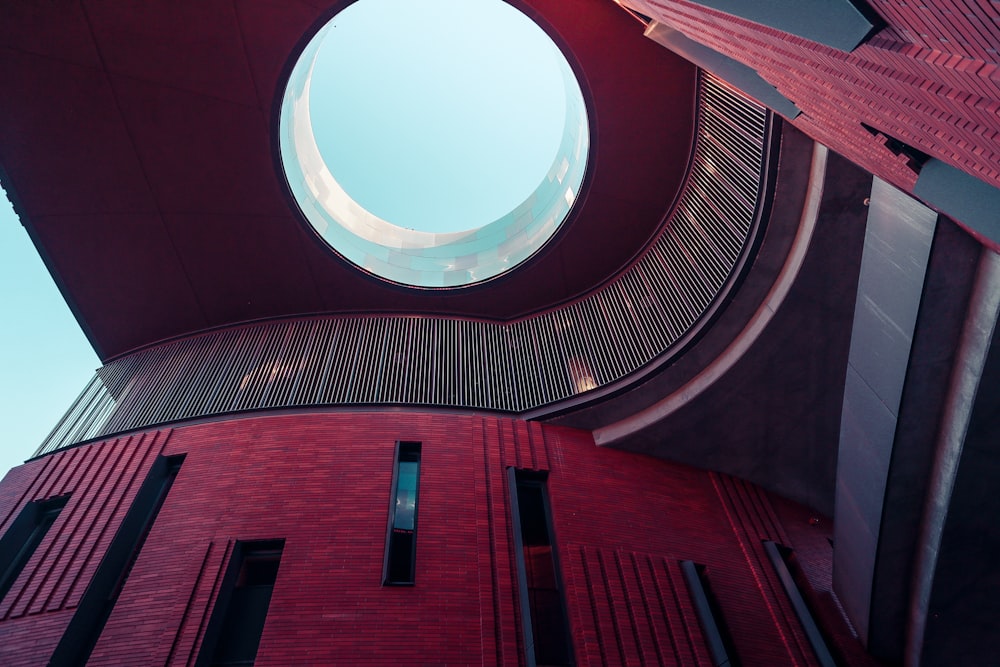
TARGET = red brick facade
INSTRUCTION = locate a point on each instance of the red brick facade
(930, 79)
(322, 482)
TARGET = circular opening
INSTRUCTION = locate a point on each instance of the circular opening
(433, 144)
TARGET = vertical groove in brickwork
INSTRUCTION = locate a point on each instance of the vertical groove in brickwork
(533, 445)
(742, 523)
(52, 558)
(610, 608)
(776, 531)
(546, 446)
(687, 634)
(512, 643)
(647, 628)
(510, 453)
(119, 497)
(687, 619)
(595, 608)
(81, 472)
(662, 623)
(680, 637)
(100, 477)
(98, 516)
(522, 457)
(94, 487)
(541, 446)
(36, 572)
(488, 594)
(630, 594)
(635, 608)
(185, 620)
(56, 484)
(210, 598)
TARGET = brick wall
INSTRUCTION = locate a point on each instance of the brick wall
(101, 481)
(322, 482)
(930, 78)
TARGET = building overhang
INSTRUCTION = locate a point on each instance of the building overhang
(138, 146)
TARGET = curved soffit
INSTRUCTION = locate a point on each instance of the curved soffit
(566, 354)
(159, 209)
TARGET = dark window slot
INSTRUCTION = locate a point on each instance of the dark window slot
(84, 629)
(777, 554)
(543, 608)
(233, 634)
(23, 537)
(915, 158)
(398, 567)
(719, 640)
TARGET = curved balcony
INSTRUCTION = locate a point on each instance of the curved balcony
(611, 335)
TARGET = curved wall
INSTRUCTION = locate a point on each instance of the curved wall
(158, 206)
(322, 483)
(608, 336)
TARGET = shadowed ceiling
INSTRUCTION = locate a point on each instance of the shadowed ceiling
(137, 143)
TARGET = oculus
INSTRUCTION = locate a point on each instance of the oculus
(433, 144)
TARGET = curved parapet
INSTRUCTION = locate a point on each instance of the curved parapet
(627, 325)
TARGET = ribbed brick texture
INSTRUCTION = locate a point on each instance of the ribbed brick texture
(101, 481)
(929, 79)
(322, 482)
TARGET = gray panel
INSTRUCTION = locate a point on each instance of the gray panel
(880, 349)
(867, 429)
(897, 246)
(897, 249)
(836, 23)
(732, 71)
(961, 196)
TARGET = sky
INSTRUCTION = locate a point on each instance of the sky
(481, 137)
(46, 359)
(425, 138)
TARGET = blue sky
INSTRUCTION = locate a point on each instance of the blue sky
(428, 139)
(45, 356)
(430, 154)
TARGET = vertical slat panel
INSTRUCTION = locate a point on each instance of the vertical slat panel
(410, 360)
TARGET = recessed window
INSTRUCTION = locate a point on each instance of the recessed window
(782, 558)
(234, 632)
(24, 536)
(718, 638)
(433, 144)
(401, 542)
(95, 607)
(543, 610)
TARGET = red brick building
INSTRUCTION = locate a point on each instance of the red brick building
(740, 407)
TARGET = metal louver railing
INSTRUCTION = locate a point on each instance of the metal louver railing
(417, 360)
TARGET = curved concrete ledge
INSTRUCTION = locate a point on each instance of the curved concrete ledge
(970, 360)
(623, 428)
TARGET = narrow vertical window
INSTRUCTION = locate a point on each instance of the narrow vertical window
(780, 557)
(401, 541)
(713, 624)
(94, 609)
(233, 634)
(24, 536)
(543, 610)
